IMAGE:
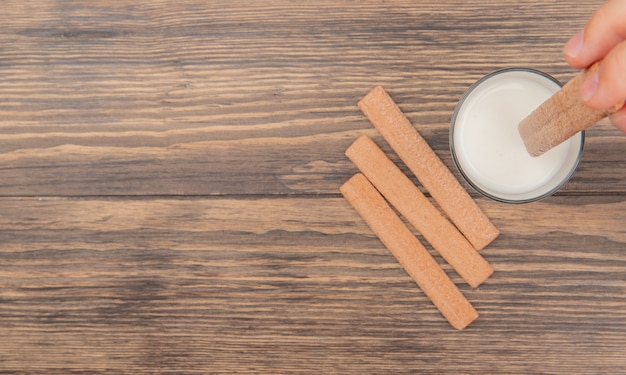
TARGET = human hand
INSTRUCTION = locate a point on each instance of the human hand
(603, 38)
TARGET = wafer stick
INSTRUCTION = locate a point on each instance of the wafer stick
(398, 189)
(407, 249)
(561, 116)
(431, 172)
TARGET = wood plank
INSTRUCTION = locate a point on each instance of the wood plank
(169, 194)
(195, 98)
(285, 285)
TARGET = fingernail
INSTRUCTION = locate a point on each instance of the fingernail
(619, 120)
(619, 116)
(575, 45)
(590, 86)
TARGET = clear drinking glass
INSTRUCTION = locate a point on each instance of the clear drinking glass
(487, 148)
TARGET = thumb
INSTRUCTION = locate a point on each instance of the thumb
(619, 119)
(607, 86)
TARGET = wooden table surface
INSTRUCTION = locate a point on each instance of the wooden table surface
(169, 197)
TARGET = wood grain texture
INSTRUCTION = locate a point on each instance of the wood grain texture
(169, 196)
(227, 285)
(162, 97)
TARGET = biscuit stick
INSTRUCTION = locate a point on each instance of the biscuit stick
(431, 172)
(407, 249)
(398, 189)
(561, 116)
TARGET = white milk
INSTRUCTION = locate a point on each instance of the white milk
(488, 149)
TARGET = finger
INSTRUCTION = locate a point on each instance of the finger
(604, 30)
(619, 119)
(607, 86)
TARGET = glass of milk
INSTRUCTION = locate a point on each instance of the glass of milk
(488, 149)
